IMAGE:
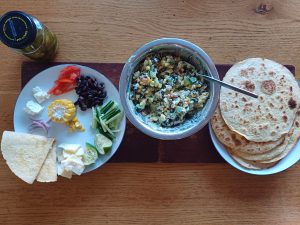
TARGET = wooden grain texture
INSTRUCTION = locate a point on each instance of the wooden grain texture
(109, 31)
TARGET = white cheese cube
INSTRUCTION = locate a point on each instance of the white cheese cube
(36, 89)
(33, 108)
(40, 95)
(73, 163)
(80, 152)
(59, 154)
(67, 154)
(64, 173)
(71, 148)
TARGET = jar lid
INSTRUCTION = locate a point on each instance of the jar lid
(17, 29)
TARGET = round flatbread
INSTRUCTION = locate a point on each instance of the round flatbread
(237, 142)
(280, 151)
(269, 116)
(252, 164)
(292, 137)
(25, 153)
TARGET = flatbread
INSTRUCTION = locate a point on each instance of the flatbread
(25, 153)
(237, 142)
(292, 137)
(252, 164)
(48, 172)
(271, 115)
(290, 140)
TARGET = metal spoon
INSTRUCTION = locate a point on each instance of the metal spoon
(229, 86)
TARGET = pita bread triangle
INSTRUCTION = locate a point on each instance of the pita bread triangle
(48, 172)
(25, 153)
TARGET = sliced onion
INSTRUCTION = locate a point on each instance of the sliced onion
(39, 124)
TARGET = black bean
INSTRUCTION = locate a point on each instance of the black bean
(90, 92)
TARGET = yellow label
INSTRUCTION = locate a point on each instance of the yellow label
(12, 38)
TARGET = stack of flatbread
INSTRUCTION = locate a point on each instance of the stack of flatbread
(30, 157)
(258, 132)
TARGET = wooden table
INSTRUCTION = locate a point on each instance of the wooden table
(126, 193)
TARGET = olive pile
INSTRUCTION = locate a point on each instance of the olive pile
(90, 92)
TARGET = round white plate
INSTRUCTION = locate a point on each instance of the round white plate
(282, 165)
(45, 80)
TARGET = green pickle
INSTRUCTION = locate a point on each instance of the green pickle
(44, 47)
(26, 35)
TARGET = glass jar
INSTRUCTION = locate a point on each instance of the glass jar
(25, 34)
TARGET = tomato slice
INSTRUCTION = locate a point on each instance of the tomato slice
(65, 80)
(54, 90)
(68, 71)
(70, 88)
(61, 88)
(74, 76)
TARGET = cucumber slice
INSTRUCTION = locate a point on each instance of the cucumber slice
(94, 120)
(107, 107)
(101, 131)
(102, 144)
(114, 125)
(90, 155)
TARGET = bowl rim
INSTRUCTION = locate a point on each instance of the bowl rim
(125, 76)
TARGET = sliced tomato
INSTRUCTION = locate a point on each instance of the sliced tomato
(61, 88)
(68, 71)
(65, 80)
(74, 76)
(69, 88)
(54, 90)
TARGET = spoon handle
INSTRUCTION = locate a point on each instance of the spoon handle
(229, 86)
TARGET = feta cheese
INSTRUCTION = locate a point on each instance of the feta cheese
(71, 160)
(73, 163)
(33, 108)
(60, 155)
(40, 95)
(80, 152)
(63, 172)
(72, 148)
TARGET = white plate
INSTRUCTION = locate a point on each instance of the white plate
(45, 80)
(282, 165)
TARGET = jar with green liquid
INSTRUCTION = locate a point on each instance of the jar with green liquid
(27, 35)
